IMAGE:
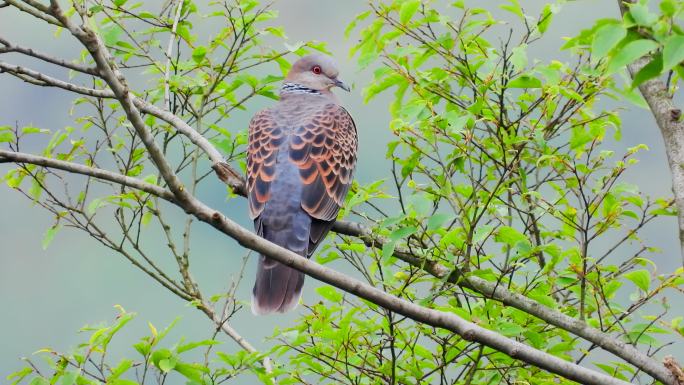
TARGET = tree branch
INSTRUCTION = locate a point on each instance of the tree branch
(9, 47)
(48, 81)
(169, 52)
(448, 321)
(19, 157)
(232, 333)
(33, 12)
(668, 117)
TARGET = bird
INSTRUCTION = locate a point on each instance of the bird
(301, 156)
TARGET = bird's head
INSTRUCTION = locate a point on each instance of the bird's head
(318, 72)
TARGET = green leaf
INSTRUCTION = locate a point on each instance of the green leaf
(36, 189)
(69, 377)
(402, 232)
(510, 329)
(519, 57)
(641, 14)
(408, 8)
(388, 250)
(192, 345)
(545, 18)
(192, 372)
(524, 81)
(50, 235)
(96, 204)
(19, 375)
(668, 7)
(673, 52)
(641, 278)
(650, 70)
(330, 293)
(360, 17)
(631, 52)
(167, 364)
(199, 53)
(509, 235)
(514, 7)
(6, 135)
(121, 368)
(436, 221)
(111, 34)
(39, 381)
(34, 130)
(606, 38)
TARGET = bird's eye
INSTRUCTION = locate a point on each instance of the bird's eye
(316, 70)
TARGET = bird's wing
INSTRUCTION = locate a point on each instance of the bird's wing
(324, 150)
(264, 138)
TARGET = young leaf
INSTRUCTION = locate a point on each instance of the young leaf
(199, 53)
(407, 10)
(6, 136)
(525, 81)
(50, 235)
(330, 293)
(606, 38)
(673, 53)
(436, 221)
(545, 17)
(641, 14)
(631, 52)
(650, 70)
(111, 34)
(514, 7)
(641, 278)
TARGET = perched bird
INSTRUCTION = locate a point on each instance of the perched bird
(300, 162)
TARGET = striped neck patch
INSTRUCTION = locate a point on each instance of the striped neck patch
(297, 89)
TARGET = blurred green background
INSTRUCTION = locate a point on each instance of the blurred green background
(47, 295)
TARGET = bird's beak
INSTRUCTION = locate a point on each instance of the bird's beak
(339, 83)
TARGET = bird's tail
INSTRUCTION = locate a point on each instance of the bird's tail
(277, 287)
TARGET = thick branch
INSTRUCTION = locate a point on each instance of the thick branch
(448, 321)
(500, 293)
(669, 120)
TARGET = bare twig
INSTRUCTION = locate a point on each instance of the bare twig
(169, 54)
(9, 47)
(76, 168)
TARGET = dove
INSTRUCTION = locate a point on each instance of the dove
(301, 156)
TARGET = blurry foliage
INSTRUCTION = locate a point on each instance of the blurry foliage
(499, 170)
